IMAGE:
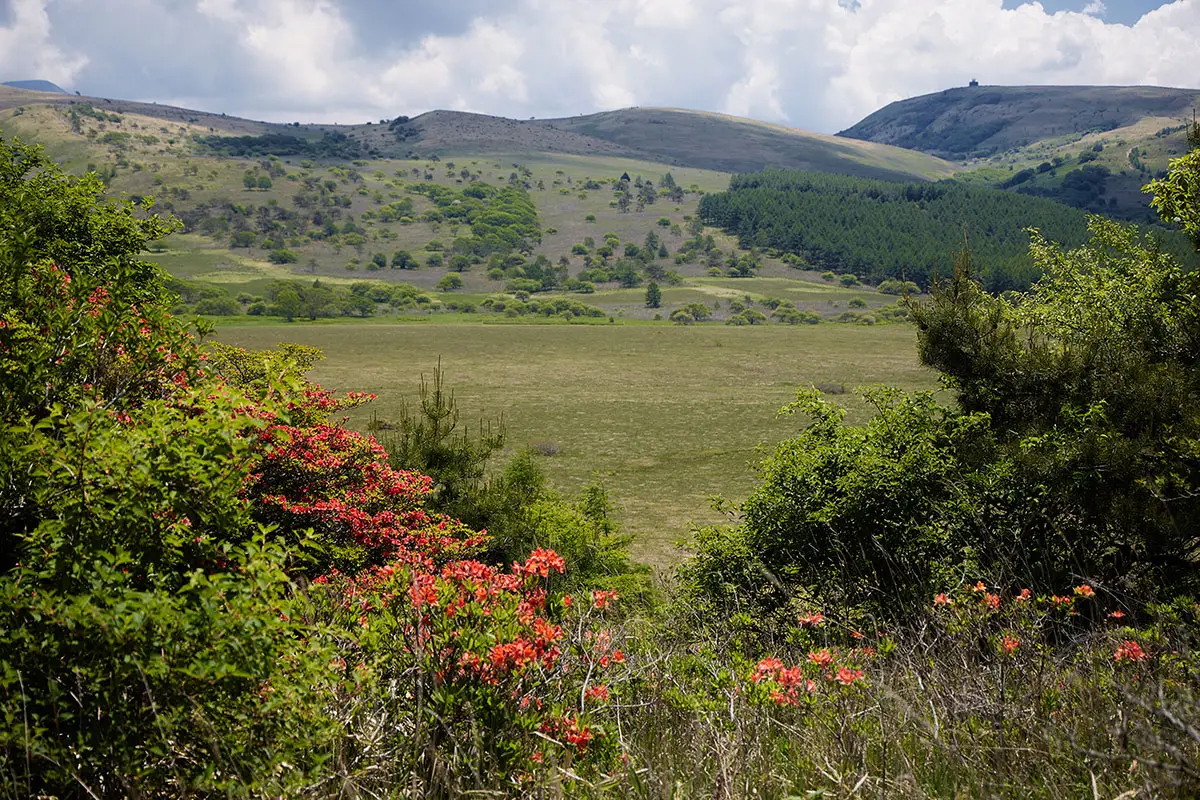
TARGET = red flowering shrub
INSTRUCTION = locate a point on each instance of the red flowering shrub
(818, 673)
(501, 668)
(339, 484)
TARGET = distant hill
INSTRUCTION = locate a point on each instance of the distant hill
(36, 86)
(981, 121)
(675, 136)
(668, 136)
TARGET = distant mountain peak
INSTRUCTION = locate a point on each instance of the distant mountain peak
(36, 86)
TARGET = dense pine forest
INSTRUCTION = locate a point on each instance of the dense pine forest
(880, 230)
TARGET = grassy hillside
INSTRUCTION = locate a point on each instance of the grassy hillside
(669, 136)
(36, 86)
(732, 144)
(336, 217)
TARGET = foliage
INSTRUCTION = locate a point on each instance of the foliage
(1071, 452)
(450, 282)
(653, 295)
(1177, 196)
(503, 219)
(48, 216)
(123, 531)
(690, 313)
(852, 518)
(331, 145)
(484, 680)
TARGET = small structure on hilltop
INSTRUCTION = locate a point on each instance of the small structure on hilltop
(973, 82)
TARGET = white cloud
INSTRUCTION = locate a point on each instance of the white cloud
(26, 49)
(1095, 8)
(819, 64)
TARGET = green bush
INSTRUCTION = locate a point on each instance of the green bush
(450, 282)
(218, 306)
(145, 641)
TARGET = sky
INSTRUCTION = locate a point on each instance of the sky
(820, 65)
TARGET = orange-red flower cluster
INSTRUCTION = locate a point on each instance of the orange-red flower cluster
(1129, 650)
(570, 730)
(601, 598)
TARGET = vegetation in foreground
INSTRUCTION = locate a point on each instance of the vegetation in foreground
(212, 588)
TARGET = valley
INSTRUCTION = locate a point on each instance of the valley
(366, 227)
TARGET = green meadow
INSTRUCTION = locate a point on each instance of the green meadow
(665, 417)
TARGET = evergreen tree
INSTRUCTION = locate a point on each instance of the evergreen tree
(653, 295)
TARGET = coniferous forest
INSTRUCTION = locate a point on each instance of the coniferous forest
(884, 230)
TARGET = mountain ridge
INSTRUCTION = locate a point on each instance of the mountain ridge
(675, 137)
(980, 121)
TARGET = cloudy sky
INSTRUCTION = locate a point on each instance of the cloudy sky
(814, 64)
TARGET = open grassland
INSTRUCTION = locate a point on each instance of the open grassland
(665, 417)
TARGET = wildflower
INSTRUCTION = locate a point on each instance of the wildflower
(1129, 651)
(846, 676)
(822, 658)
(537, 757)
(979, 587)
(1009, 644)
(991, 600)
(768, 668)
(1062, 601)
(601, 598)
(814, 619)
(1118, 614)
(597, 692)
(942, 600)
(1024, 596)
(566, 600)
(857, 635)
(1085, 591)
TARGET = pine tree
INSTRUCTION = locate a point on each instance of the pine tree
(653, 295)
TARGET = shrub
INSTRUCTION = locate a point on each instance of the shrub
(690, 313)
(218, 306)
(897, 287)
(282, 256)
(450, 282)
